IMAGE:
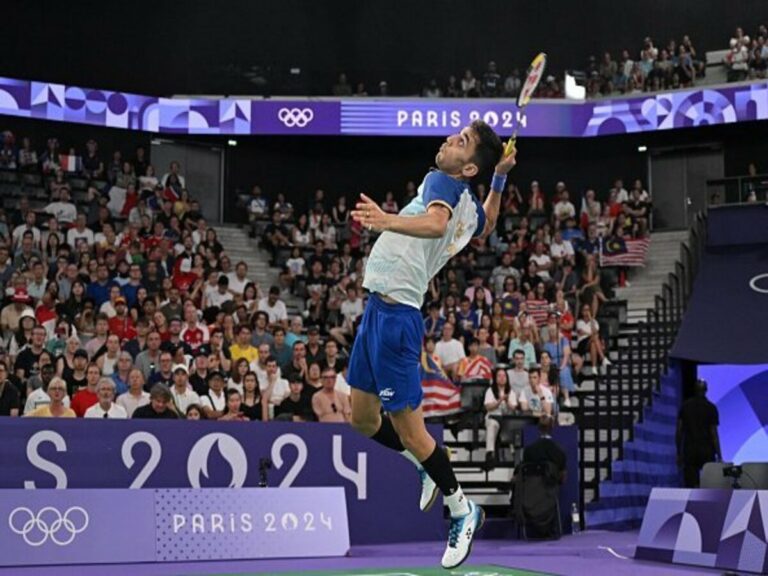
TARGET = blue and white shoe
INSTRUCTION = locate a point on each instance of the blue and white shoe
(460, 536)
(428, 491)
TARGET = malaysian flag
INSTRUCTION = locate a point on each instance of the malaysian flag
(624, 252)
(441, 396)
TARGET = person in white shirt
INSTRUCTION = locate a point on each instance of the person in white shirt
(106, 407)
(536, 398)
(136, 395)
(29, 225)
(561, 250)
(182, 393)
(499, 400)
(238, 279)
(351, 310)
(518, 375)
(221, 295)
(542, 260)
(274, 388)
(64, 210)
(621, 193)
(175, 169)
(274, 307)
(564, 209)
(450, 351)
(80, 233)
(215, 401)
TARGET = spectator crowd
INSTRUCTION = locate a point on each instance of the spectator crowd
(650, 68)
(125, 303)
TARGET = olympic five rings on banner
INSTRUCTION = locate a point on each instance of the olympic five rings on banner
(295, 117)
(36, 529)
(753, 283)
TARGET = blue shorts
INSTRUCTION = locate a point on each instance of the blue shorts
(386, 355)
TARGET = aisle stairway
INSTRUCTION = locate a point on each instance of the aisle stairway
(649, 461)
(646, 282)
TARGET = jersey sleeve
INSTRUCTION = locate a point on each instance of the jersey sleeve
(441, 189)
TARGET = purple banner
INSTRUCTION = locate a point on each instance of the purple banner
(390, 117)
(379, 484)
(723, 529)
(169, 525)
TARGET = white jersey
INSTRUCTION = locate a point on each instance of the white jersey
(401, 266)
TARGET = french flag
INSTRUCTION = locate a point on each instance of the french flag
(70, 163)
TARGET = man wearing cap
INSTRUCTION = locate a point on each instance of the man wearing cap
(274, 307)
(159, 406)
(121, 324)
(106, 407)
(11, 314)
(215, 401)
(198, 378)
(182, 393)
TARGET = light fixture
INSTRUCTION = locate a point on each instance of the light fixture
(642, 148)
(232, 142)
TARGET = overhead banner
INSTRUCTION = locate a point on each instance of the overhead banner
(40, 527)
(379, 484)
(382, 116)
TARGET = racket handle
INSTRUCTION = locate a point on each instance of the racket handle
(511, 143)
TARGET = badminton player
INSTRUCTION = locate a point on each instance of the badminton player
(412, 248)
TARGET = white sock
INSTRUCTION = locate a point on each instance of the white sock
(408, 456)
(457, 503)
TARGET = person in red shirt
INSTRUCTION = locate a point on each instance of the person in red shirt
(87, 396)
(122, 324)
(183, 276)
(194, 333)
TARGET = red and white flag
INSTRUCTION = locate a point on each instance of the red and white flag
(441, 396)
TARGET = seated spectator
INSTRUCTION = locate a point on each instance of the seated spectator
(475, 366)
(106, 407)
(10, 398)
(500, 400)
(233, 410)
(559, 351)
(545, 449)
(276, 236)
(57, 391)
(215, 401)
(242, 348)
(297, 406)
(136, 396)
(637, 209)
(491, 84)
(328, 404)
(518, 375)
(274, 308)
(524, 344)
(159, 406)
(182, 393)
(450, 352)
(63, 209)
(536, 399)
(588, 339)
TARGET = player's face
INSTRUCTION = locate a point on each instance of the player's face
(456, 153)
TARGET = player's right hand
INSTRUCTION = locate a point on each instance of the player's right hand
(508, 160)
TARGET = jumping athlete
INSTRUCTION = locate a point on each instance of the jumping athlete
(412, 248)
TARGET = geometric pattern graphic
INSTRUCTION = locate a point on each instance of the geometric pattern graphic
(726, 529)
(370, 116)
(739, 392)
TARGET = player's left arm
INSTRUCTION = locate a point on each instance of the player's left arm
(492, 204)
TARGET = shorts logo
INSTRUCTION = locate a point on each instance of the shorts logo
(48, 523)
(295, 117)
(387, 394)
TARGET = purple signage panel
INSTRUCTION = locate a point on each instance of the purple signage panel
(168, 525)
(390, 117)
(379, 484)
(723, 529)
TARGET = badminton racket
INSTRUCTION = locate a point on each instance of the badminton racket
(533, 77)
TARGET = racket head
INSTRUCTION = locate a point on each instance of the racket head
(533, 77)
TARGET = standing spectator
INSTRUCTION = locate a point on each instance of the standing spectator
(328, 404)
(342, 86)
(512, 84)
(469, 84)
(491, 86)
(106, 407)
(697, 439)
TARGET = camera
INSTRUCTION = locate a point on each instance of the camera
(734, 472)
(265, 464)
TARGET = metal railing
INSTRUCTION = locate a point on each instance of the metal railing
(621, 396)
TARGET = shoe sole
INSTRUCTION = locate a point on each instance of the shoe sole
(433, 497)
(469, 549)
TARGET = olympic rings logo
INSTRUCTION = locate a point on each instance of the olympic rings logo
(753, 283)
(36, 529)
(295, 117)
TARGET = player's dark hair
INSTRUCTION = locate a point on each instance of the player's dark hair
(489, 148)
